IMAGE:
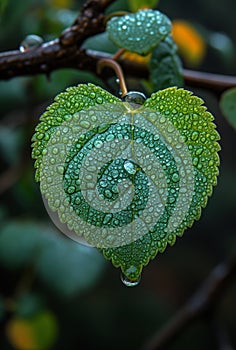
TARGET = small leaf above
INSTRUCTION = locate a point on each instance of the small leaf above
(139, 32)
(228, 106)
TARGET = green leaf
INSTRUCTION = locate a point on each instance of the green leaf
(65, 105)
(165, 65)
(139, 32)
(136, 5)
(100, 42)
(228, 106)
(127, 178)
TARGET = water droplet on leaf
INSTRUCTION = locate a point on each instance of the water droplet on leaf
(130, 167)
(134, 98)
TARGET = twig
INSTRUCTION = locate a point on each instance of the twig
(52, 56)
(202, 302)
(63, 52)
(67, 52)
(217, 82)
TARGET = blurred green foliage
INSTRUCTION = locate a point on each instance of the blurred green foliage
(67, 268)
(42, 272)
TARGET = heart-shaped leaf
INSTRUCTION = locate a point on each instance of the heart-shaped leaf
(139, 32)
(125, 178)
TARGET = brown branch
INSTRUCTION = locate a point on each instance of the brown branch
(52, 56)
(202, 302)
(216, 82)
(67, 52)
(64, 52)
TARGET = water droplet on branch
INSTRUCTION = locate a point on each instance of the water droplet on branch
(30, 41)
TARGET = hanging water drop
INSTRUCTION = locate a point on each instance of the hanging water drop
(129, 283)
(30, 42)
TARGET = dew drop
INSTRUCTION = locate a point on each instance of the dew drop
(195, 161)
(92, 94)
(163, 30)
(194, 135)
(49, 180)
(98, 143)
(71, 189)
(85, 124)
(52, 161)
(172, 200)
(175, 177)
(99, 100)
(103, 184)
(210, 163)
(130, 167)
(30, 42)
(108, 194)
(129, 283)
(134, 98)
(40, 136)
(162, 119)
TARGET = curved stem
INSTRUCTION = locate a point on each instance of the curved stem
(109, 62)
(118, 54)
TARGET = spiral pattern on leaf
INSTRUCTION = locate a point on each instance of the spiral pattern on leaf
(113, 173)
